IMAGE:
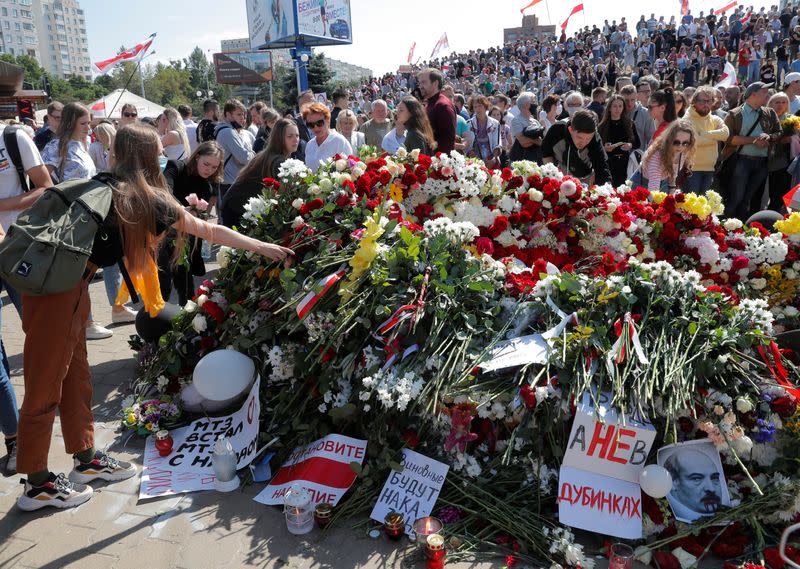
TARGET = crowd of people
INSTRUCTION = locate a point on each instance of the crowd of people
(626, 103)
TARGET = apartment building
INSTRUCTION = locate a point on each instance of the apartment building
(52, 31)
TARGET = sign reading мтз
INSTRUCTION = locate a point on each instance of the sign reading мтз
(189, 467)
(602, 443)
(412, 491)
(324, 468)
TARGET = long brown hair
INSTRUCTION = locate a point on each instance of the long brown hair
(261, 166)
(665, 151)
(208, 148)
(140, 195)
(605, 123)
(70, 115)
(418, 121)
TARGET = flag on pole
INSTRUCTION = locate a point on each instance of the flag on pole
(789, 199)
(531, 5)
(746, 17)
(134, 54)
(411, 52)
(440, 45)
(684, 7)
(575, 10)
(725, 8)
(728, 78)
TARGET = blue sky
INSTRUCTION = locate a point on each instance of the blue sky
(383, 30)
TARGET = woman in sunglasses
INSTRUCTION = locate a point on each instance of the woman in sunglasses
(325, 142)
(128, 114)
(669, 159)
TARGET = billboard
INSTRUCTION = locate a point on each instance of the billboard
(279, 23)
(243, 67)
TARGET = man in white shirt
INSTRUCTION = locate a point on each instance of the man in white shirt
(325, 142)
(14, 196)
(191, 126)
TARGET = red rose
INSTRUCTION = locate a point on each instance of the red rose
(308, 207)
(484, 245)
(528, 396)
(213, 310)
(773, 558)
(784, 406)
(665, 560)
(411, 438)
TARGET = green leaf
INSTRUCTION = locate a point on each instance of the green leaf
(356, 467)
(396, 466)
(692, 328)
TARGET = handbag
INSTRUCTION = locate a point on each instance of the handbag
(724, 168)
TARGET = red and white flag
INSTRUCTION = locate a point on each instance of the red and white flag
(747, 17)
(440, 45)
(684, 7)
(134, 54)
(411, 52)
(725, 8)
(728, 78)
(531, 5)
(312, 298)
(575, 10)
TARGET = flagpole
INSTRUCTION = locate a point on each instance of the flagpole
(128, 82)
(549, 19)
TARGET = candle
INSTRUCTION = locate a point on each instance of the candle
(164, 442)
(424, 527)
(621, 557)
(323, 513)
(434, 551)
(394, 525)
(298, 511)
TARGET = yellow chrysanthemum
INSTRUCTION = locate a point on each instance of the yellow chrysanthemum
(790, 225)
(696, 205)
(658, 197)
(715, 202)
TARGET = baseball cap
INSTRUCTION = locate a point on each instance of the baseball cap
(791, 77)
(756, 86)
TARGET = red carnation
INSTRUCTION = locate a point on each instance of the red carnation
(784, 406)
(411, 438)
(773, 558)
(666, 560)
(213, 310)
(484, 245)
(308, 207)
(528, 396)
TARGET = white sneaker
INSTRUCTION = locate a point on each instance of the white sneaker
(102, 467)
(124, 316)
(57, 492)
(96, 332)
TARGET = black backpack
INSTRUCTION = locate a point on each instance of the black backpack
(12, 147)
(206, 130)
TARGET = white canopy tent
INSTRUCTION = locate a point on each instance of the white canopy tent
(111, 105)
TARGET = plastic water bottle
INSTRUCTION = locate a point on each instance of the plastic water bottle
(205, 250)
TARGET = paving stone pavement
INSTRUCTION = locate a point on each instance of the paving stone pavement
(198, 530)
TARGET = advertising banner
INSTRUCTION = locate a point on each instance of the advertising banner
(243, 67)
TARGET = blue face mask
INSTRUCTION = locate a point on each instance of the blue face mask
(162, 162)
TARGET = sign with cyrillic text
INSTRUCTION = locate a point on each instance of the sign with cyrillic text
(189, 467)
(412, 491)
(601, 442)
(324, 468)
(594, 502)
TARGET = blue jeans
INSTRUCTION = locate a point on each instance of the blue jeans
(753, 71)
(699, 182)
(9, 412)
(748, 175)
(112, 278)
(783, 68)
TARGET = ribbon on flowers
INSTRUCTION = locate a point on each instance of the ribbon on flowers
(312, 298)
(393, 349)
(625, 330)
(776, 368)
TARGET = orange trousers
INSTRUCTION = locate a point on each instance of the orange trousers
(57, 375)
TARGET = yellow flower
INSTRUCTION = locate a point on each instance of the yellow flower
(149, 426)
(658, 197)
(274, 273)
(790, 225)
(715, 201)
(696, 205)
(363, 257)
(131, 418)
(395, 193)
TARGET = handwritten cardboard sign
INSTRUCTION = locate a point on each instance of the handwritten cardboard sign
(531, 349)
(601, 442)
(323, 468)
(189, 467)
(413, 491)
(594, 502)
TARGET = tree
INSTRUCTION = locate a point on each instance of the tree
(319, 80)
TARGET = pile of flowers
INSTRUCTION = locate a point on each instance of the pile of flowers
(150, 415)
(411, 269)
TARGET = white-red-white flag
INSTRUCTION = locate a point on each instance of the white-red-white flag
(728, 78)
(531, 5)
(411, 52)
(725, 8)
(440, 45)
(747, 17)
(134, 54)
(575, 10)
(684, 7)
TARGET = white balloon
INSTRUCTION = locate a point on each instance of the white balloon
(223, 374)
(655, 481)
(193, 402)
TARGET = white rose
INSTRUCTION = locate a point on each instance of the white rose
(535, 195)
(199, 323)
(402, 152)
(743, 405)
(326, 185)
(358, 172)
(298, 221)
(298, 203)
(190, 306)
(201, 300)
(732, 224)
(313, 189)
(632, 249)
(341, 165)
(685, 558)
(223, 256)
(415, 154)
(758, 284)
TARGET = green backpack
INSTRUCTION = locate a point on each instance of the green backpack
(46, 250)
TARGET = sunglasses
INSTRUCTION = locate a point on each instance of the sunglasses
(316, 124)
(130, 115)
(685, 143)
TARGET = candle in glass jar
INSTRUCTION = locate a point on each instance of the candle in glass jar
(394, 525)
(424, 527)
(323, 513)
(164, 442)
(434, 551)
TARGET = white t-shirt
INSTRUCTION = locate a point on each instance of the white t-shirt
(191, 133)
(334, 144)
(9, 180)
